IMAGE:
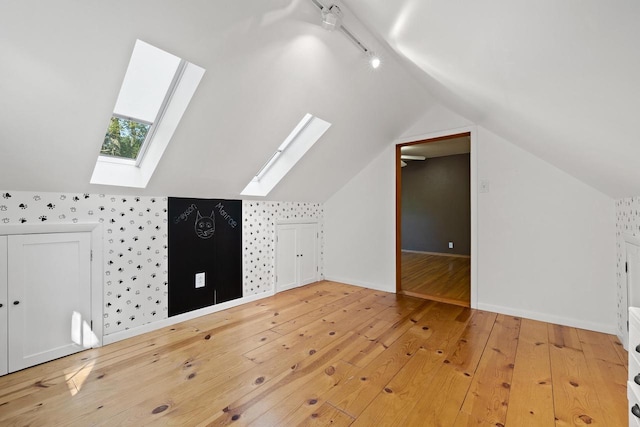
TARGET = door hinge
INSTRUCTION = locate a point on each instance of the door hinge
(91, 255)
(92, 325)
(626, 267)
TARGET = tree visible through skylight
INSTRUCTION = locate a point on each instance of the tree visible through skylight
(124, 138)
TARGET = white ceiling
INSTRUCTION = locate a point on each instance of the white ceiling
(558, 78)
(561, 79)
(268, 63)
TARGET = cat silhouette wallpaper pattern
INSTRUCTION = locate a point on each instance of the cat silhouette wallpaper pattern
(135, 244)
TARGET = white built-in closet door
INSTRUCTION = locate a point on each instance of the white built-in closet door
(286, 257)
(4, 361)
(308, 242)
(633, 274)
(49, 306)
(296, 255)
(633, 277)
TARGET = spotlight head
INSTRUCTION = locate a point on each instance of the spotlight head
(331, 17)
(374, 60)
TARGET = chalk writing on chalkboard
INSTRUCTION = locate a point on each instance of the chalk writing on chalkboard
(205, 226)
(232, 222)
(184, 215)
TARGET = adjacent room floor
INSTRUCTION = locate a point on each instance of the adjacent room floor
(437, 277)
(333, 354)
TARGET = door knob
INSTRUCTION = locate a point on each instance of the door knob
(16, 302)
(1, 305)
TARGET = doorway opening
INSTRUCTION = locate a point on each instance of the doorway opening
(433, 219)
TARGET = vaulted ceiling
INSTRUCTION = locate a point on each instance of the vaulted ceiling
(559, 79)
(268, 63)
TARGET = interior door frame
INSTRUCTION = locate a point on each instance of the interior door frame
(97, 273)
(470, 131)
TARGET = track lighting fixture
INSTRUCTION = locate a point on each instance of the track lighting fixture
(332, 19)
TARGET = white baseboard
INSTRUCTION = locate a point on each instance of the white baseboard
(375, 286)
(550, 318)
(624, 339)
(544, 317)
(436, 253)
(119, 336)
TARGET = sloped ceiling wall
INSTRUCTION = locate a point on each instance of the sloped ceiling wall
(267, 64)
(559, 79)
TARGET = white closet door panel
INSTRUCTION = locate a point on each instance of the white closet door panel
(633, 275)
(49, 297)
(4, 356)
(307, 241)
(286, 257)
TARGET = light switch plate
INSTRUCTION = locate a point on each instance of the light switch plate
(200, 280)
(484, 186)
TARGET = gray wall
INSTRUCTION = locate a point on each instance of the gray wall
(436, 205)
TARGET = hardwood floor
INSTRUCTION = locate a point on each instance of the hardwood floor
(438, 277)
(333, 354)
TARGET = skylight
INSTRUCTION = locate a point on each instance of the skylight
(155, 93)
(306, 133)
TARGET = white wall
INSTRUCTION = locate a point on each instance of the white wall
(545, 241)
(359, 228)
(360, 218)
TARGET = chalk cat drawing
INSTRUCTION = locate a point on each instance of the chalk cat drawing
(205, 225)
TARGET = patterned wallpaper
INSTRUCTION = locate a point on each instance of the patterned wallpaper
(627, 222)
(135, 244)
(259, 231)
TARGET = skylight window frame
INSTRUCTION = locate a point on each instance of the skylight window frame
(161, 111)
(153, 126)
(171, 106)
(304, 135)
(300, 127)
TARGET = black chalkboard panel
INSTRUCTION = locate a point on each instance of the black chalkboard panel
(205, 235)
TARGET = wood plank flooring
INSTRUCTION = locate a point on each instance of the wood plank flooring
(333, 354)
(437, 277)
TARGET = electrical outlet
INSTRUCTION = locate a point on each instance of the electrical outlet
(450, 245)
(484, 186)
(200, 280)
